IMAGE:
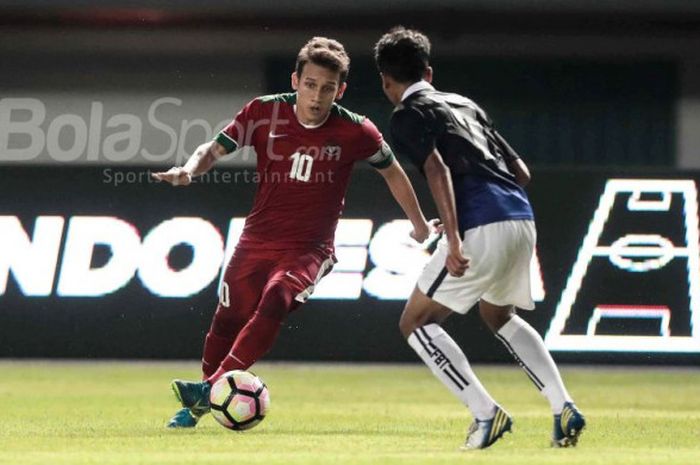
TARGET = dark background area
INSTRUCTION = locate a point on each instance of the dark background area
(557, 112)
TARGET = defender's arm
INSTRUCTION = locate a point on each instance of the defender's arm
(440, 182)
(403, 192)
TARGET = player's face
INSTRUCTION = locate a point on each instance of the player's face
(317, 88)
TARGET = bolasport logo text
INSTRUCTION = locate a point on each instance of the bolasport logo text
(59, 256)
(92, 133)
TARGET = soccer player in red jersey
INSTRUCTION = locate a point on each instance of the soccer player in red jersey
(306, 145)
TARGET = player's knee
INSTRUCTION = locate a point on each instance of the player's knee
(408, 323)
(404, 327)
(277, 301)
(225, 321)
(495, 318)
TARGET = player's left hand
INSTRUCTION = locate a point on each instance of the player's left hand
(422, 232)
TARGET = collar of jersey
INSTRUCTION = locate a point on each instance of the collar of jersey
(310, 126)
(415, 87)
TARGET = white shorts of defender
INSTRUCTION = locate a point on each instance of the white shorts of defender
(499, 268)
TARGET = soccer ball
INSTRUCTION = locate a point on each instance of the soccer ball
(239, 400)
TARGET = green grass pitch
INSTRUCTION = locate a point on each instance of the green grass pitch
(77, 413)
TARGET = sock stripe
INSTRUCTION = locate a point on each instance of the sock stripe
(440, 277)
(536, 381)
(427, 337)
(454, 370)
(429, 341)
(420, 339)
(454, 380)
(426, 341)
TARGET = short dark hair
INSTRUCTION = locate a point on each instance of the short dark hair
(403, 54)
(325, 52)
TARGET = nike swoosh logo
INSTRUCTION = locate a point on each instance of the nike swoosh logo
(275, 136)
(199, 409)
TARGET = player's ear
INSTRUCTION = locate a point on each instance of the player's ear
(428, 74)
(341, 91)
(295, 81)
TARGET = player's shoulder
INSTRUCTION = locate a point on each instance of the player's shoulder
(425, 99)
(408, 113)
(434, 100)
(264, 105)
(346, 115)
(287, 97)
(354, 123)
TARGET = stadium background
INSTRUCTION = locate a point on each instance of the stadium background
(584, 93)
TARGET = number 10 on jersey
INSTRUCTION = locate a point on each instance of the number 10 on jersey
(301, 167)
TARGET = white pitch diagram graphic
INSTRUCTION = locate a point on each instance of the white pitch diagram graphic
(635, 253)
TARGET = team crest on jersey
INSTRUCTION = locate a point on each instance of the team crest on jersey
(330, 152)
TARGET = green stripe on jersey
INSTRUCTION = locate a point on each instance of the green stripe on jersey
(347, 114)
(289, 97)
(229, 144)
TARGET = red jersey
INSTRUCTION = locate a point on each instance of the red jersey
(302, 172)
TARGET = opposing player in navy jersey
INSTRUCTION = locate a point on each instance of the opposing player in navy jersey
(476, 180)
(306, 147)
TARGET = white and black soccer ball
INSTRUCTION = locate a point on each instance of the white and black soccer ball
(239, 400)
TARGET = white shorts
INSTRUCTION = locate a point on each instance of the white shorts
(499, 268)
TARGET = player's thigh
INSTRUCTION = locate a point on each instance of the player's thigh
(299, 272)
(243, 282)
(495, 316)
(511, 285)
(459, 294)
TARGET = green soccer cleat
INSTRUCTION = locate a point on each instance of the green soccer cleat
(183, 419)
(193, 396)
(567, 426)
(483, 433)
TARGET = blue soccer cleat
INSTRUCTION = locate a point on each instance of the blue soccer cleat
(183, 419)
(567, 426)
(193, 396)
(483, 433)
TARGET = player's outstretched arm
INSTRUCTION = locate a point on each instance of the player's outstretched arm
(440, 182)
(199, 163)
(403, 192)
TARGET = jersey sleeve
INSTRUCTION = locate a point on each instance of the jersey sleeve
(373, 148)
(412, 135)
(235, 134)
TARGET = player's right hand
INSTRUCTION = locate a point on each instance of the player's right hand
(428, 230)
(456, 263)
(177, 176)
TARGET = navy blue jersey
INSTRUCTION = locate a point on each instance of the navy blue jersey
(476, 154)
